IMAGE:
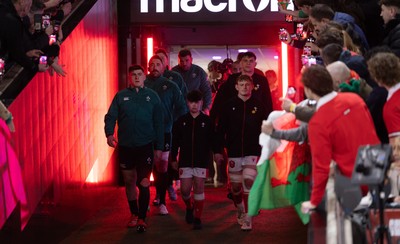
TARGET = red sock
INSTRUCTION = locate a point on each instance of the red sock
(237, 199)
(246, 201)
(198, 208)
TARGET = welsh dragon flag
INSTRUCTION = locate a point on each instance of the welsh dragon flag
(283, 178)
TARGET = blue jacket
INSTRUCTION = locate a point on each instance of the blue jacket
(344, 19)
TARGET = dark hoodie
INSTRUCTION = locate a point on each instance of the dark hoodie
(392, 35)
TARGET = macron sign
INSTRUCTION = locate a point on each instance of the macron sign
(204, 10)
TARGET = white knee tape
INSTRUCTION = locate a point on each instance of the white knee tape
(164, 156)
(236, 178)
(198, 197)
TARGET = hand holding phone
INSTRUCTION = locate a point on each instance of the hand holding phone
(283, 34)
(43, 60)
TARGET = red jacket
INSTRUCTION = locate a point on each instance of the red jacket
(391, 114)
(336, 131)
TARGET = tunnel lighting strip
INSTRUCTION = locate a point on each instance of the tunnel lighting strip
(285, 69)
(149, 48)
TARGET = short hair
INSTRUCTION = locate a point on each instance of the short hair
(194, 96)
(245, 78)
(135, 67)
(239, 57)
(270, 71)
(317, 79)
(184, 53)
(328, 36)
(331, 53)
(249, 55)
(321, 11)
(378, 49)
(339, 71)
(214, 65)
(385, 68)
(156, 57)
(394, 3)
(161, 50)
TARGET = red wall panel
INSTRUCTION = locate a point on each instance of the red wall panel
(59, 120)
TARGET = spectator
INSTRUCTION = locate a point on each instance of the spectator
(13, 36)
(321, 14)
(385, 68)
(390, 13)
(334, 130)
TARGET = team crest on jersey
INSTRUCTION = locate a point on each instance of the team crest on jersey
(256, 87)
(232, 164)
(148, 160)
(194, 75)
(170, 78)
(167, 146)
(203, 125)
(233, 108)
(254, 110)
(184, 123)
(148, 99)
(126, 98)
(164, 87)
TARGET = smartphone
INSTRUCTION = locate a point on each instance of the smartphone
(43, 60)
(2, 66)
(299, 30)
(307, 50)
(52, 39)
(312, 60)
(45, 21)
(283, 34)
(56, 26)
(37, 22)
(288, 18)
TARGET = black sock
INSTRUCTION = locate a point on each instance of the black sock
(144, 198)
(133, 207)
(163, 184)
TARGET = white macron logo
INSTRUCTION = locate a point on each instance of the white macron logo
(197, 5)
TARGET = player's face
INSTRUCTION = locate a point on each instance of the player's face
(164, 59)
(244, 88)
(248, 64)
(136, 78)
(185, 62)
(156, 67)
(195, 107)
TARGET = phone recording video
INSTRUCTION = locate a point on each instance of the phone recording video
(307, 50)
(45, 21)
(56, 26)
(37, 22)
(299, 30)
(308, 60)
(52, 39)
(283, 34)
(43, 60)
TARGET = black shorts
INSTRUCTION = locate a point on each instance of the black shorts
(167, 142)
(136, 157)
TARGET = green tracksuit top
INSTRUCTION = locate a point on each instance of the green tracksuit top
(171, 97)
(140, 118)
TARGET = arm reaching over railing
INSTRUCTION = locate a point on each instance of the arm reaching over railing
(6, 115)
